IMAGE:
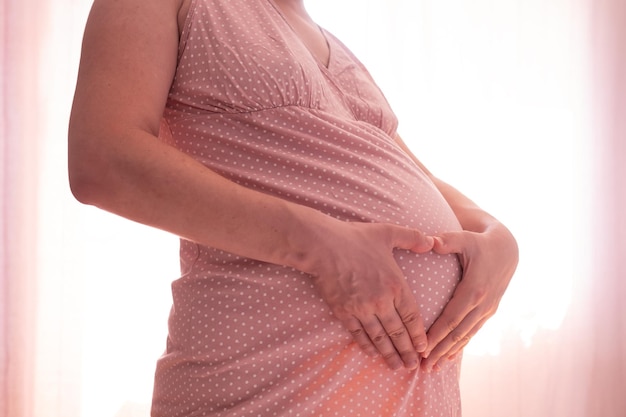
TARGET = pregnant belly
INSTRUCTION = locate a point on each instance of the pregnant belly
(405, 197)
(252, 326)
(353, 174)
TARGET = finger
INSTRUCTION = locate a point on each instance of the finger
(450, 242)
(360, 336)
(409, 312)
(460, 346)
(457, 349)
(411, 239)
(459, 337)
(380, 339)
(399, 336)
(459, 306)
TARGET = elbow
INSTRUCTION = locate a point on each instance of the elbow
(84, 173)
(82, 183)
(82, 189)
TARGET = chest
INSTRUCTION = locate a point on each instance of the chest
(308, 32)
(242, 55)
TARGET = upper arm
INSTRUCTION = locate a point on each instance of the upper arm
(127, 66)
(128, 61)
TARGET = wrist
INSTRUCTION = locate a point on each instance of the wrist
(306, 230)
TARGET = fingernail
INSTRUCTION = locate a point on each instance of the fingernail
(421, 347)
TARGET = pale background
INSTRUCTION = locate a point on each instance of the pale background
(524, 98)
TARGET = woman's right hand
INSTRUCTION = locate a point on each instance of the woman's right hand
(357, 275)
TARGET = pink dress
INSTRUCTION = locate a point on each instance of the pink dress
(247, 338)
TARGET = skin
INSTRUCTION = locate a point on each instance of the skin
(117, 163)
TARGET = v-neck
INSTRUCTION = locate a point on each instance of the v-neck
(325, 65)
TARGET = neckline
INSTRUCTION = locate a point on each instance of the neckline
(322, 31)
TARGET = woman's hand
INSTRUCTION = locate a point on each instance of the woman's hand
(489, 259)
(357, 275)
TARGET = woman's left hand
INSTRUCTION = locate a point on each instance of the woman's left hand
(489, 259)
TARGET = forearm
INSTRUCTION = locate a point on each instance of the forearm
(136, 176)
(116, 162)
(471, 217)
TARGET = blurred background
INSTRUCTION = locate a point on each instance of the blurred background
(521, 104)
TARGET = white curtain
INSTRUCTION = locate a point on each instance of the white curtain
(530, 96)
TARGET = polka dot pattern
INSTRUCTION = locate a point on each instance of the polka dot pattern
(248, 338)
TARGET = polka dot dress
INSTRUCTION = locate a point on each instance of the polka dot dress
(248, 338)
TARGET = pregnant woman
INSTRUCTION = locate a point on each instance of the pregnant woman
(325, 271)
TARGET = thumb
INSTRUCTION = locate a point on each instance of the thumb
(411, 239)
(450, 242)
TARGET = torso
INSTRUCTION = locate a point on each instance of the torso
(252, 101)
